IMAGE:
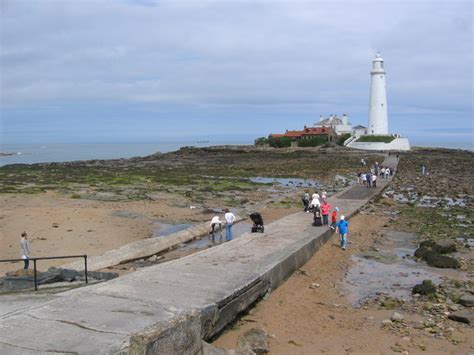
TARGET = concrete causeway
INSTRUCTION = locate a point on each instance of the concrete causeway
(169, 308)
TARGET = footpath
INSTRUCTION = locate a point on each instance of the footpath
(170, 308)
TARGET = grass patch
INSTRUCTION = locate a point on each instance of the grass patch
(376, 139)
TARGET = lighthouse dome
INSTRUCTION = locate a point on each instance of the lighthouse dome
(378, 58)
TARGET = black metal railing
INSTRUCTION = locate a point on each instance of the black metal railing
(49, 258)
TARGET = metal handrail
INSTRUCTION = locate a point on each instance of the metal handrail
(50, 258)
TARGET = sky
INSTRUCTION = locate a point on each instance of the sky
(147, 71)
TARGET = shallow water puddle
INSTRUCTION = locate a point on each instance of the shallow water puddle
(286, 182)
(163, 229)
(388, 270)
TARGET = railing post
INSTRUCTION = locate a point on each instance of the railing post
(85, 268)
(36, 280)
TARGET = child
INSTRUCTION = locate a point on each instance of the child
(325, 207)
(334, 218)
(343, 229)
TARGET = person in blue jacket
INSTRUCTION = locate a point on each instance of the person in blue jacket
(343, 229)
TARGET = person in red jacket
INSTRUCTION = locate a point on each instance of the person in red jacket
(334, 218)
(325, 207)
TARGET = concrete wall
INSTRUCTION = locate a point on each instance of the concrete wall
(396, 144)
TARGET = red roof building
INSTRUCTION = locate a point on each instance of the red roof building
(307, 132)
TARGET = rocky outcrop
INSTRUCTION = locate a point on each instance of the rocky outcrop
(426, 288)
(432, 252)
(24, 279)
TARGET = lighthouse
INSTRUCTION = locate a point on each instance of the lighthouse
(378, 120)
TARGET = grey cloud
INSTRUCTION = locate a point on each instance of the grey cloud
(234, 52)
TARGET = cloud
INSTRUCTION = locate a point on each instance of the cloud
(305, 57)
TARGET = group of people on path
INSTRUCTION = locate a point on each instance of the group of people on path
(369, 178)
(216, 227)
(321, 208)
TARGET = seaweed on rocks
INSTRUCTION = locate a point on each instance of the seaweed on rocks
(426, 288)
(432, 252)
(442, 261)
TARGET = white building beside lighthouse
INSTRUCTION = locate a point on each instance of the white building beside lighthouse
(378, 117)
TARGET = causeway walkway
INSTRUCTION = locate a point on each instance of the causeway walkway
(169, 308)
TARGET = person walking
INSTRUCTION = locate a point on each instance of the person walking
(25, 250)
(343, 229)
(424, 170)
(229, 218)
(305, 200)
(369, 179)
(325, 207)
(216, 228)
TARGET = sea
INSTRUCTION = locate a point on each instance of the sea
(46, 153)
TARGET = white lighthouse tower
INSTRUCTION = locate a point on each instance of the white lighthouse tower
(378, 120)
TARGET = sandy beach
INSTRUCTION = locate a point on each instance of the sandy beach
(59, 225)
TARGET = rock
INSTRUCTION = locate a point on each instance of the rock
(340, 180)
(153, 258)
(457, 337)
(427, 306)
(397, 348)
(387, 322)
(255, 339)
(442, 261)
(466, 316)
(445, 246)
(20, 272)
(388, 201)
(431, 252)
(397, 317)
(314, 285)
(428, 323)
(209, 349)
(389, 303)
(467, 300)
(426, 288)
(453, 308)
(422, 252)
(20, 280)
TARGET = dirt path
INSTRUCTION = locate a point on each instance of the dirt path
(309, 313)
